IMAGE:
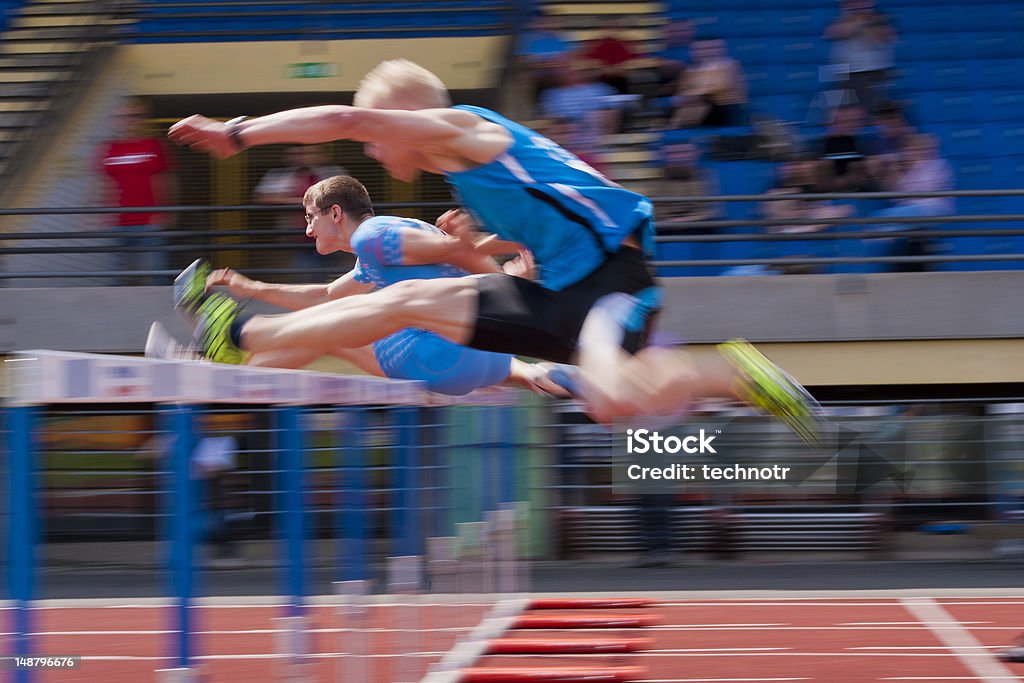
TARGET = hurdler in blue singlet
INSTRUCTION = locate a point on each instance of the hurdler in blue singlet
(540, 195)
(446, 367)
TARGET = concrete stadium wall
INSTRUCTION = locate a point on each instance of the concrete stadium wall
(270, 66)
(874, 329)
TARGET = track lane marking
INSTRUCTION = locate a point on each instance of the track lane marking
(958, 639)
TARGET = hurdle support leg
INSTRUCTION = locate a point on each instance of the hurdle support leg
(293, 645)
(24, 531)
(354, 647)
(182, 506)
(180, 675)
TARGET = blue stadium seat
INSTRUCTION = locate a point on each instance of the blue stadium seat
(745, 24)
(934, 19)
(749, 250)
(803, 51)
(1011, 140)
(1009, 172)
(800, 79)
(988, 45)
(752, 51)
(980, 174)
(688, 251)
(1014, 18)
(968, 140)
(759, 81)
(993, 74)
(950, 78)
(798, 24)
(858, 248)
(739, 178)
(791, 108)
(911, 76)
(927, 46)
(978, 246)
(1004, 106)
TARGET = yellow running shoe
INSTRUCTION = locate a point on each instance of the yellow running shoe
(213, 329)
(764, 384)
(190, 287)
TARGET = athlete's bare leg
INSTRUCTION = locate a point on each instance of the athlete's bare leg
(655, 381)
(444, 306)
(362, 357)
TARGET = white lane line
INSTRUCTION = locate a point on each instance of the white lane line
(796, 602)
(263, 655)
(899, 623)
(683, 653)
(948, 678)
(578, 657)
(716, 649)
(462, 629)
(719, 680)
(920, 647)
(684, 627)
(958, 639)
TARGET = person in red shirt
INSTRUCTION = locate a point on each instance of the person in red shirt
(613, 56)
(138, 167)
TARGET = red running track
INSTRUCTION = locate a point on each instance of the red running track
(830, 640)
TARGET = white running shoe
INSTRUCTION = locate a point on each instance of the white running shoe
(160, 344)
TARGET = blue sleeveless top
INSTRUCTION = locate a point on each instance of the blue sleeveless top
(543, 196)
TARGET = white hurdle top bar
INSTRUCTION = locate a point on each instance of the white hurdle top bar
(41, 377)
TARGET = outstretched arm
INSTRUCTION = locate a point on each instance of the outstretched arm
(446, 131)
(420, 247)
(292, 297)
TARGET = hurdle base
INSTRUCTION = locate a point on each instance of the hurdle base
(178, 675)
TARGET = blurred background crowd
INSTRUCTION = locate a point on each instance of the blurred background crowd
(676, 99)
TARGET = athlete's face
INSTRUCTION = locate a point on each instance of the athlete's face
(398, 160)
(322, 227)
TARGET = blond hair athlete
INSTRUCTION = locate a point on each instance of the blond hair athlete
(594, 299)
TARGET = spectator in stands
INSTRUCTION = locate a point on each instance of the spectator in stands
(862, 50)
(683, 176)
(799, 176)
(671, 62)
(613, 56)
(591, 105)
(712, 91)
(674, 56)
(213, 459)
(304, 167)
(566, 132)
(542, 51)
(138, 170)
(893, 130)
(920, 169)
(850, 159)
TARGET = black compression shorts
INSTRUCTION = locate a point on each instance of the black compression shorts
(521, 317)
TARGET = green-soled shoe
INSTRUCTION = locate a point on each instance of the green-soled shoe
(190, 287)
(764, 384)
(213, 329)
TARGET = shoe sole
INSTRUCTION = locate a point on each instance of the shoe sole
(790, 402)
(184, 294)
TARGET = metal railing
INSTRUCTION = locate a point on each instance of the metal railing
(239, 247)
